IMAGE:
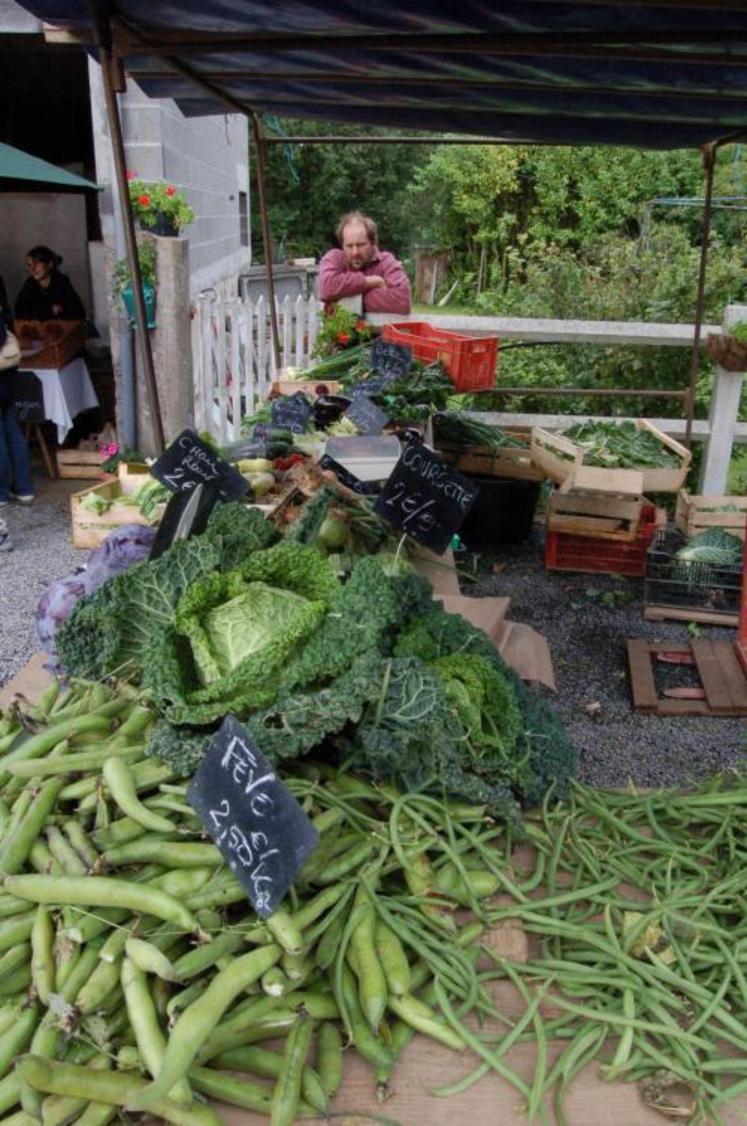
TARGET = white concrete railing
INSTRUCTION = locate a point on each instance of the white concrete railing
(233, 337)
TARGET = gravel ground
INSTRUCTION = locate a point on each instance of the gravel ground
(585, 618)
(42, 552)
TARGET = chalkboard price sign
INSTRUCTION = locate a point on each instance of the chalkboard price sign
(291, 412)
(189, 462)
(28, 396)
(255, 821)
(343, 475)
(426, 498)
(390, 360)
(366, 415)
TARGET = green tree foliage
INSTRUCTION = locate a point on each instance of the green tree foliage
(537, 231)
(309, 186)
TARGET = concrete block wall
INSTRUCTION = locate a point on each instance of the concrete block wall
(207, 157)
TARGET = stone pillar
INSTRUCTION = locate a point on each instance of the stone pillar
(172, 339)
(723, 415)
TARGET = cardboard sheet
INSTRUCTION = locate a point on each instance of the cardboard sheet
(520, 645)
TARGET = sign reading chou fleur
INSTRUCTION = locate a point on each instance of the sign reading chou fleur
(425, 498)
(189, 462)
(253, 818)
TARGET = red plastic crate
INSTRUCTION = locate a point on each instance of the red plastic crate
(471, 361)
(567, 552)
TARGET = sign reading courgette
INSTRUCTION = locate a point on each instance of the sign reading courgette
(425, 498)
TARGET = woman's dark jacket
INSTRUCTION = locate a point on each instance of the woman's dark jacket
(34, 302)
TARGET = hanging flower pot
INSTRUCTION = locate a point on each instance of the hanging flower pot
(729, 352)
(149, 300)
(122, 282)
(159, 207)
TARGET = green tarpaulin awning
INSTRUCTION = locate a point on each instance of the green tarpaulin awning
(29, 172)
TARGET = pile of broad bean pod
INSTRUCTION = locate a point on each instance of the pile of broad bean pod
(134, 973)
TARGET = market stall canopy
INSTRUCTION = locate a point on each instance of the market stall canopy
(657, 75)
(20, 171)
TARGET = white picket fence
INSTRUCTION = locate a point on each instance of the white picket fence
(233, 358)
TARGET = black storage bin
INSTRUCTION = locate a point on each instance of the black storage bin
(688, 586)
(503, 512)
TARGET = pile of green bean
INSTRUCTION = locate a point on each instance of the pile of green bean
(639, 939)
(132, 971)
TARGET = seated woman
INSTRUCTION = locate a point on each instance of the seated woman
(47, 295)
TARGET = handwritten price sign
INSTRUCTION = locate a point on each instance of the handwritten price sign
(255, 821)
(425, 498)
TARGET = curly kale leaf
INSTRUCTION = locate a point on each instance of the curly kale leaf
(411, 735)
(550, 758)
(358, 620)
(181, 748)
(239, 531)
(301, 720)
(110, 630)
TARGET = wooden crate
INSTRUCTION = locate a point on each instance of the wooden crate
(513, 461)
(698, 513)
(562, 461)
(604, 516)
(50, 344)
(81, 465)
(91, 529)
(308, 386)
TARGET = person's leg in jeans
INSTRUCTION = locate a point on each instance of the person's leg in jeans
(6, 468)
(20, 481)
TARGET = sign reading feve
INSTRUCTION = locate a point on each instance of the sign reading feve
(189, 461)
(253, 818)
(426, 498)
(291, 412)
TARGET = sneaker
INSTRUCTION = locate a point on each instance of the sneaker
(22, 498)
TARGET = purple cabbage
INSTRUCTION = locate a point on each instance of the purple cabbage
(124, 546)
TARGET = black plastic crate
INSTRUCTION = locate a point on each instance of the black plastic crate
(503, 512)
(688, 586)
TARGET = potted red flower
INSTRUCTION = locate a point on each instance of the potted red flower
(159, 207)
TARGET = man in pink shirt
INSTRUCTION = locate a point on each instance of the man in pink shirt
(359, 267)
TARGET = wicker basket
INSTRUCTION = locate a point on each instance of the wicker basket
(728, 352)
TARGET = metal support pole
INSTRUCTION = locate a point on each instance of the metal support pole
(106, 59)
(259, 145)
(709, 164)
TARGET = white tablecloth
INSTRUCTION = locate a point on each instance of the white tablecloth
(67, 392)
